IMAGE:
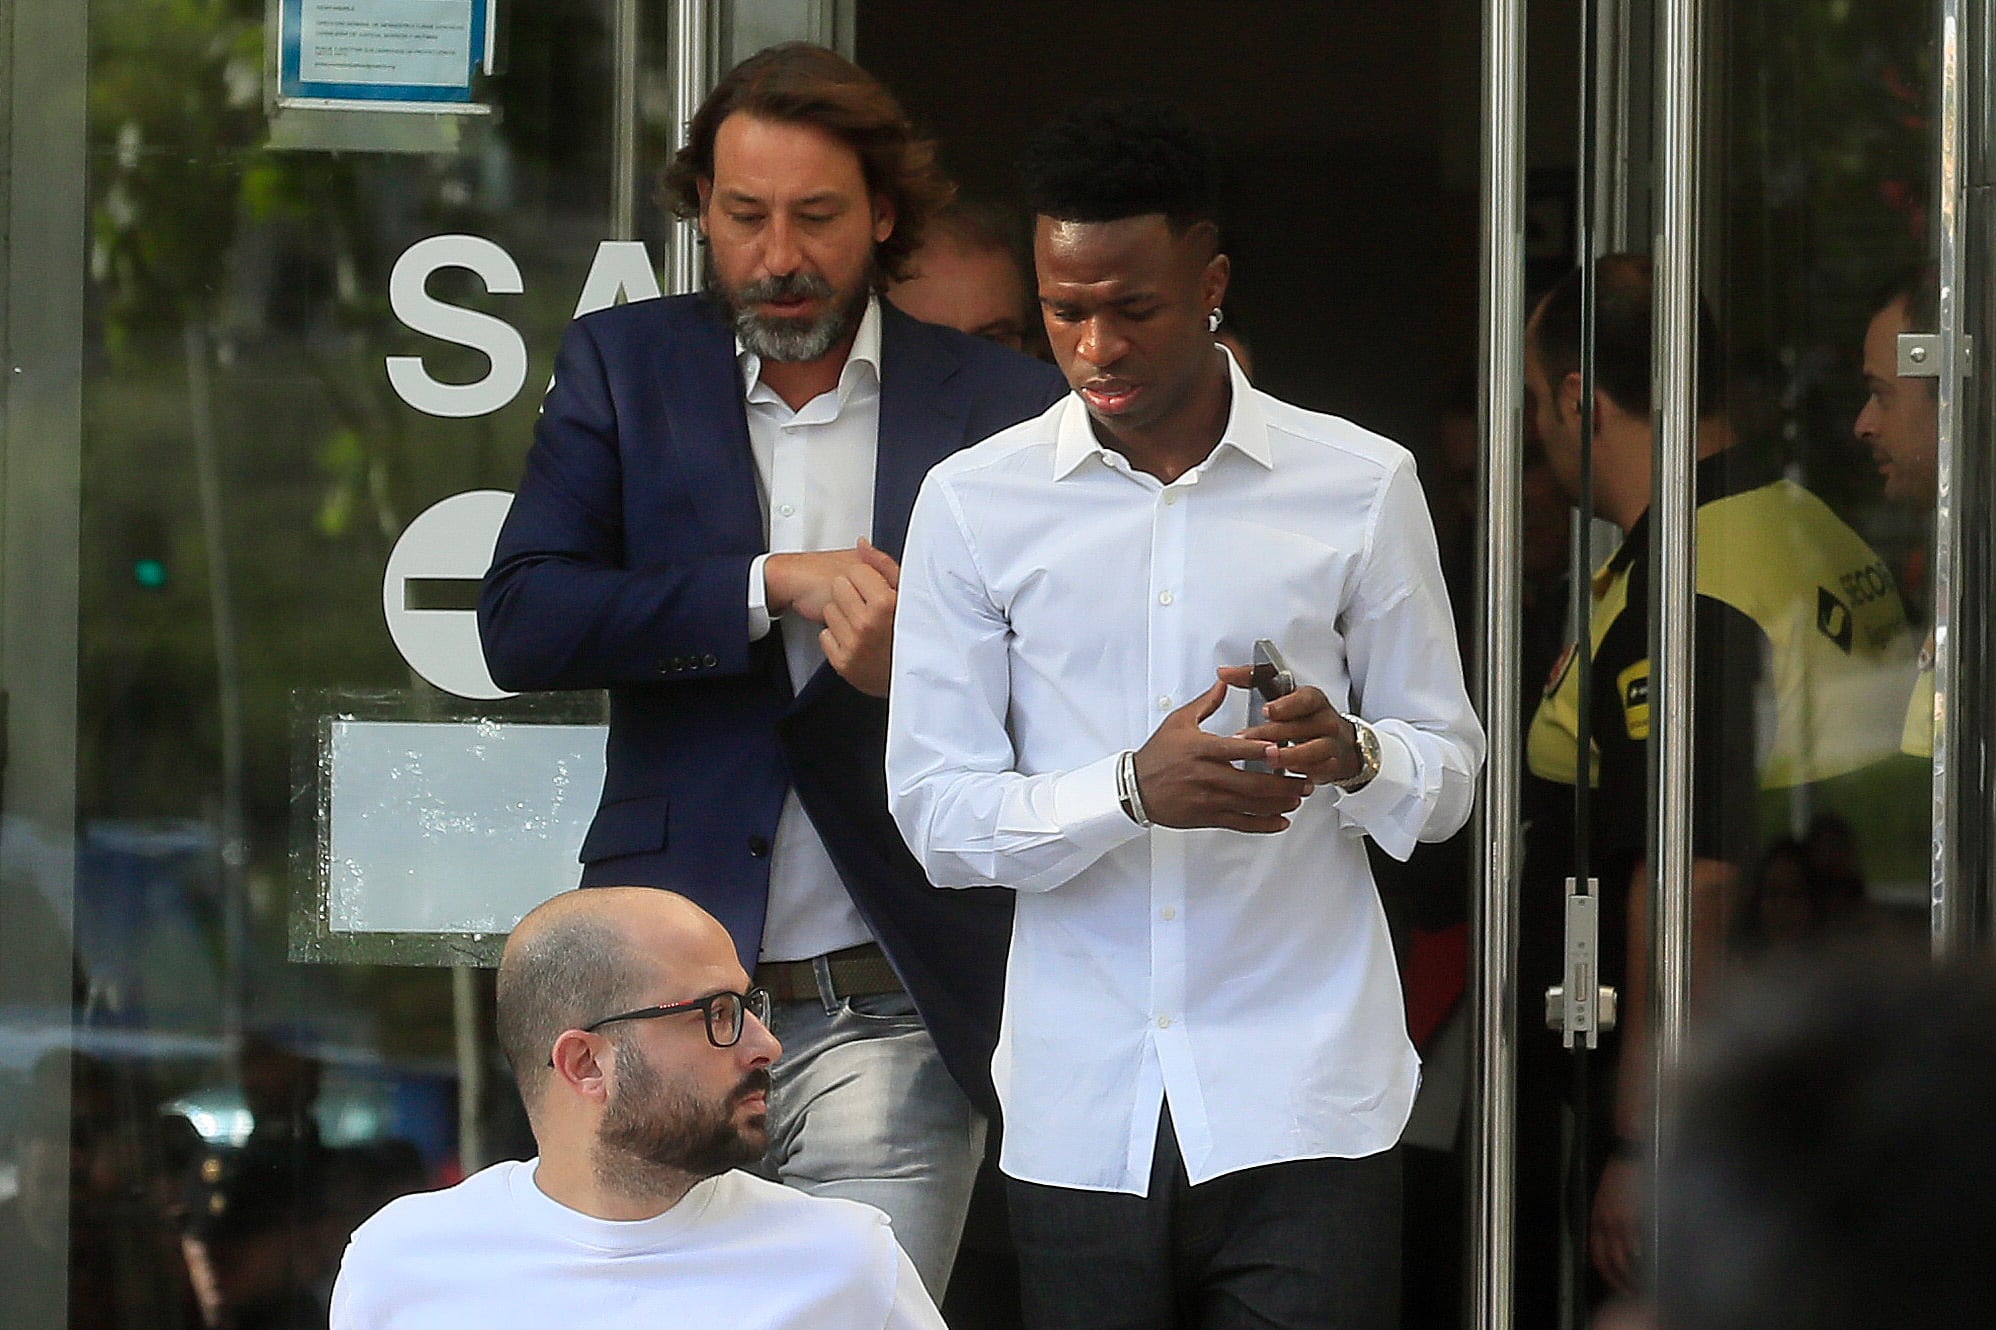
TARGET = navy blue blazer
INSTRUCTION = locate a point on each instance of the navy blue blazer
(624, 565)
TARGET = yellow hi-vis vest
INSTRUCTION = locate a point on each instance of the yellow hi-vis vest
(1832, 690)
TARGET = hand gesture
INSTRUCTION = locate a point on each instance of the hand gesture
(1188, 778)
(1321, 744)
(802, 583)
(858, 636)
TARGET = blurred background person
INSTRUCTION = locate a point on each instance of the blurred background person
(1833, 1160)
(968, 275)
(94, 1189)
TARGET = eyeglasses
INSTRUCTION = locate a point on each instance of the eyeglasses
(722, 1012)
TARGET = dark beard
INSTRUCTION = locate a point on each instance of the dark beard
(656, 1139)
(788, 341)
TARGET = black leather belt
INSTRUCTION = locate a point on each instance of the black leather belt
(860, 971)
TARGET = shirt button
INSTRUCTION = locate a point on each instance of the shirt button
(1164, 597)
(1163, 702)
(1164, 1022)
(1167, 914)
(1170, 497)
(787, 510)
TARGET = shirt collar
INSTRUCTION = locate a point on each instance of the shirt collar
(1246, 431)
(864, 357)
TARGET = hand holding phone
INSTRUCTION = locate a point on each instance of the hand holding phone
(1272, 679)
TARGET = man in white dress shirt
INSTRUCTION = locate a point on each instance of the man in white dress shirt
(1204, 1065)
(643, 1059)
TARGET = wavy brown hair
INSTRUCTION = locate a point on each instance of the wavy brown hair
(798, 83)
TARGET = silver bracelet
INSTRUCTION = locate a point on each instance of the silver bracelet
(1127, 793)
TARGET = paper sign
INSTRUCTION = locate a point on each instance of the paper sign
(382, 52)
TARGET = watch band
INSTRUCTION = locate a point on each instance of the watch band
(1368, 758)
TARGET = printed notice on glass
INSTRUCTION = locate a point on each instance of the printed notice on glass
(383, 54)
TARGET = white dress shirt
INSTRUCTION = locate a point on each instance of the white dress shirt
(1054, 605)
(814, 472)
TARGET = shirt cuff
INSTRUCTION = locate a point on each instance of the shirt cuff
(1370, 809)
(758, 600)
(1088, 809)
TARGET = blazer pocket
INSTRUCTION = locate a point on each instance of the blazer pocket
(628, 826)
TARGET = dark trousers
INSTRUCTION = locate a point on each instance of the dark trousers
(1308, 1245)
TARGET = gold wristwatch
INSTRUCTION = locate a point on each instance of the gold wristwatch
(1368, 757)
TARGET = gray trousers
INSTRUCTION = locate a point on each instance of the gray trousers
(862, 1108)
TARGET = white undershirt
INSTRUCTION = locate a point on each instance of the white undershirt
(814, 474)
(736, 1253)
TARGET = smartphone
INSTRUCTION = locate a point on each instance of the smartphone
(1272, 679)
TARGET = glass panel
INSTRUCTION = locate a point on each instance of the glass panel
(288, 355)
(1814, 488)
(1818, 260)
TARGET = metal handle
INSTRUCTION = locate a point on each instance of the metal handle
(1494, 908)
(1949, 911)
(692, 78)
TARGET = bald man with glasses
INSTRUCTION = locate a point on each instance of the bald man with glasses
(642, 1055)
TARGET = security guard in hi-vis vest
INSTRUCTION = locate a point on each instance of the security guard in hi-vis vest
(1900, 423)
(1803, 661)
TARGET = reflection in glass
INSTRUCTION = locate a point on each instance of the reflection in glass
(189, 1123)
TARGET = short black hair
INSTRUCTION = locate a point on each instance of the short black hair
(1832, 1159)
(1917, 291)
(1622, 293)
(1107, 161)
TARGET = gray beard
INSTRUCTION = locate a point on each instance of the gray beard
(788, 341)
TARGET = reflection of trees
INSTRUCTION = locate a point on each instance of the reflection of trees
(240, 428)
(1827, 157)
(1827, 154)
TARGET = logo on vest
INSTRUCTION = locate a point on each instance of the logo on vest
(1633, 686)
(1833, 619)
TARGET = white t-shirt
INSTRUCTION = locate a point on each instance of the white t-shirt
(737, 1253)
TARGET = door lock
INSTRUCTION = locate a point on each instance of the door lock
(1591, 1006)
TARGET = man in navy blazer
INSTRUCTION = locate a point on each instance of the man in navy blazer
(707, 527)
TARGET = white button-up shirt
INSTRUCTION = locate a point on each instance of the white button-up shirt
(1055, 603)
(814, 470)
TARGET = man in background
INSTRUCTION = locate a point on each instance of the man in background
(1900, 423)
(1833, 1160)
(1799, 677)
(967, 276)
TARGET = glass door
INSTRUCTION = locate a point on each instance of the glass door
(1760, 746)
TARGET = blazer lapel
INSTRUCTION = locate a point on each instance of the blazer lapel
(701, 385)
(921, 420)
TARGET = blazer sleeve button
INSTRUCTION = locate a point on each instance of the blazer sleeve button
(710, 660)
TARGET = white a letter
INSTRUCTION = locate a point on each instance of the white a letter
(622, 271)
